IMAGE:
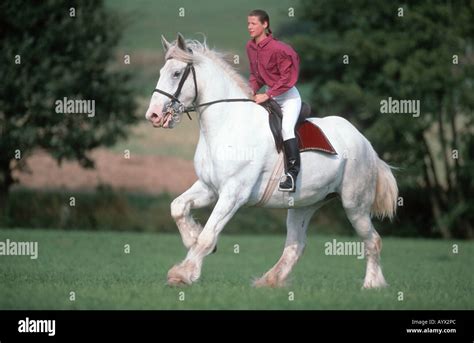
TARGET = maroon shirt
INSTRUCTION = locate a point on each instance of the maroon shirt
(272, 63)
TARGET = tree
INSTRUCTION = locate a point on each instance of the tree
(53, 50)
(359, 53)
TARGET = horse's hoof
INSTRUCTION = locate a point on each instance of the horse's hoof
(269, 282)
(176, 282)
(177, 276)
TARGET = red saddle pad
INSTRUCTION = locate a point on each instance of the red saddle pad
(311, 137)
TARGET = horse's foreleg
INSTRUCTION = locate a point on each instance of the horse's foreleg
(296, 224)
(189, 270)
(197, 196)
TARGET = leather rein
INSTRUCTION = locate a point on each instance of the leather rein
(176, 107)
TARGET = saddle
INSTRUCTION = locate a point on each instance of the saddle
(309, 135)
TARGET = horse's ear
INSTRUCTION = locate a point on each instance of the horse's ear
(181, 42)
(166, 44)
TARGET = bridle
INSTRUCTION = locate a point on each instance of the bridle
(176, 107)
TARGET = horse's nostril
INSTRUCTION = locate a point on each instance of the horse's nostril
(154, 115)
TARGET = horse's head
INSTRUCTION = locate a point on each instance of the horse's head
(176, 87)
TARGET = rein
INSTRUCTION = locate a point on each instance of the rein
(176, 106)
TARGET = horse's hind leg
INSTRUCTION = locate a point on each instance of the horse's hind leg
(362, 223)
(357, 195)
(297, 222)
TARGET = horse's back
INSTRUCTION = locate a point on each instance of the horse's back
(333, 124)
(340, 132)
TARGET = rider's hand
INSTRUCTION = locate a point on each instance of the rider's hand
(259, 98)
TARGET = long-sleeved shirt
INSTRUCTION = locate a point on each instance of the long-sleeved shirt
(272, 63)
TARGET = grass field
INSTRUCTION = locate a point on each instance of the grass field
(95, 267)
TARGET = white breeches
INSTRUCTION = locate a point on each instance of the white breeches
(290, 103)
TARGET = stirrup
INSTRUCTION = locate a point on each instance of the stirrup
(292, 189)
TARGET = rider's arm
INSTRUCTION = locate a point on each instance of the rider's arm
(254, 83)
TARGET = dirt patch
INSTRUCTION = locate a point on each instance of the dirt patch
(150, 174)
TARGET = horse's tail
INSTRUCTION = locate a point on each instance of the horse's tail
(386, 192)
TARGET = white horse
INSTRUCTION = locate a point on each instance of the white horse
(235, 157)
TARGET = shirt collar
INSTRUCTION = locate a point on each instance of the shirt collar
(265, 41)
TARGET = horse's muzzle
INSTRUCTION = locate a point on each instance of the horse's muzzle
(165, 121)
(156, 120)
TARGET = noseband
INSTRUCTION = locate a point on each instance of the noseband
(176, 106)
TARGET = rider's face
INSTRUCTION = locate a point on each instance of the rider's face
(255, 27)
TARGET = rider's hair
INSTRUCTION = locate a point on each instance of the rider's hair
(262, 17)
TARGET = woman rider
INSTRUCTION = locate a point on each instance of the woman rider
(276, 65)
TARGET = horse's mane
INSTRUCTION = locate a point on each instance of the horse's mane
(218, 57)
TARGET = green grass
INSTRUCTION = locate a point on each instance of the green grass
(95, 267)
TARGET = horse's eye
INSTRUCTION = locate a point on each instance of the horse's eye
(176, 74)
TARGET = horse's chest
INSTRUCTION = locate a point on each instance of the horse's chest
(205, 168)
(218, 169)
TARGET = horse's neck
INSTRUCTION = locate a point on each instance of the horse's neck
(224, 123)
(217, 85)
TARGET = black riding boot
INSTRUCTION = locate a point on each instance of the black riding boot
(292, 165)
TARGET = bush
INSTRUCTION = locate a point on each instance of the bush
(108, 209)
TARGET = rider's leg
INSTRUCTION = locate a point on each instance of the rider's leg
(292, 163)
(290, 103)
